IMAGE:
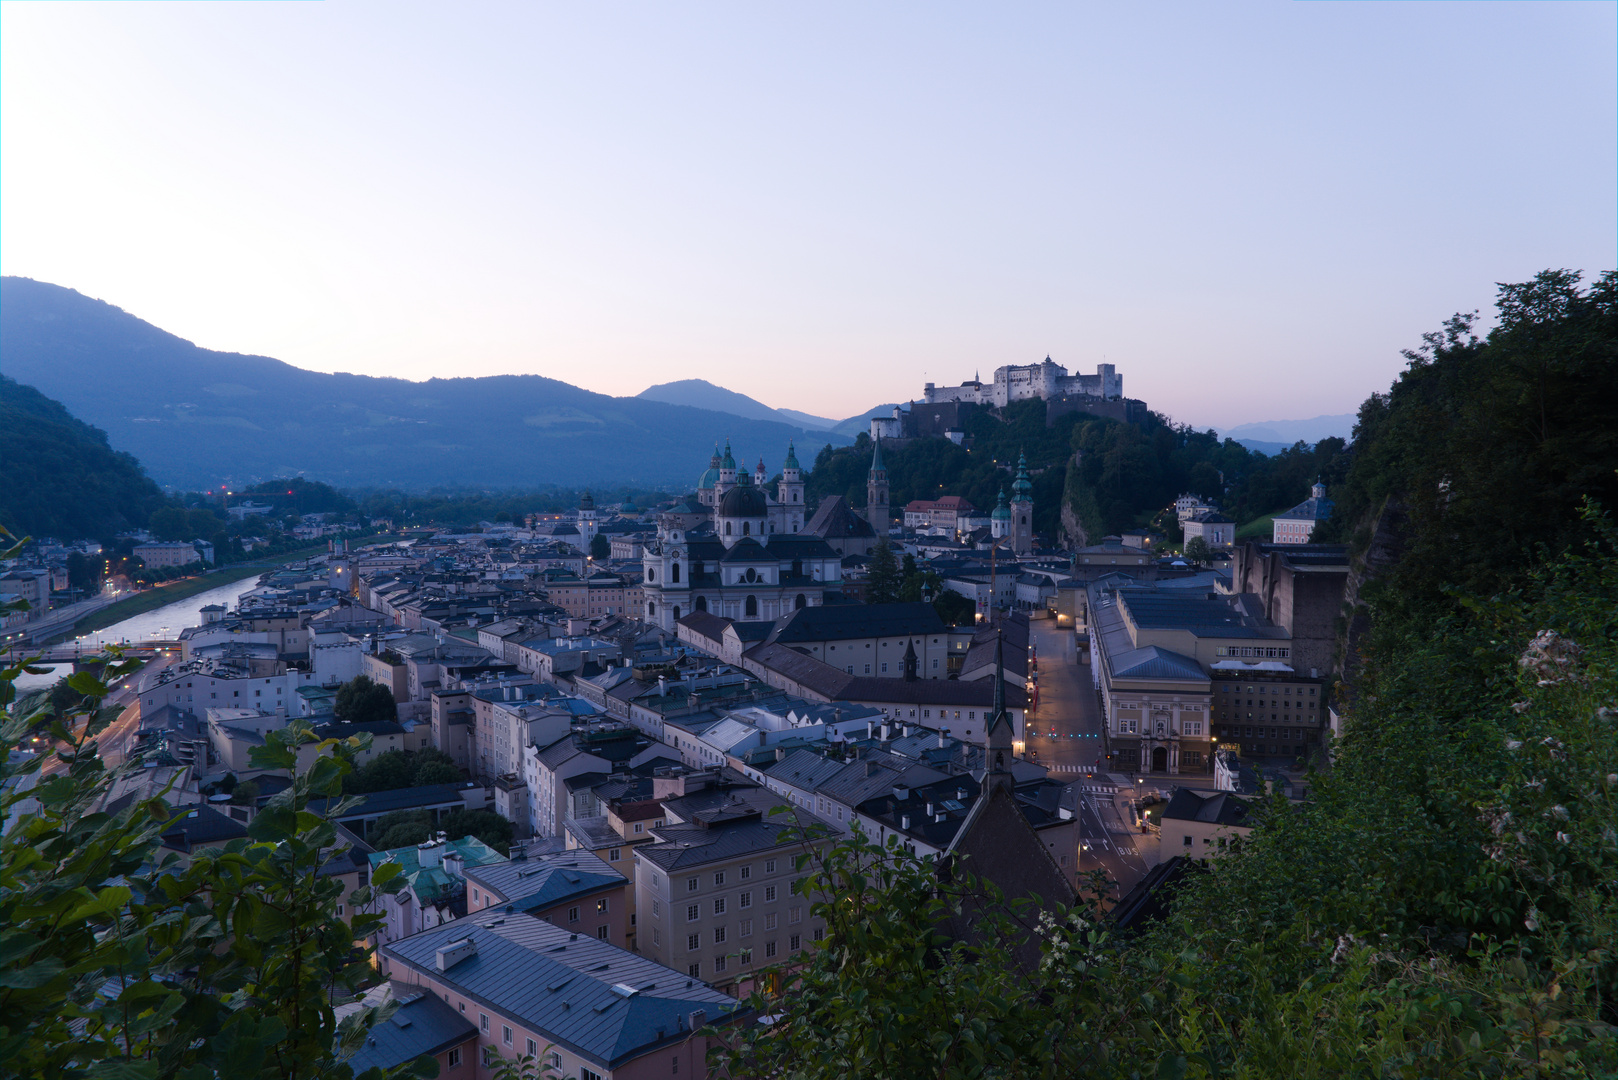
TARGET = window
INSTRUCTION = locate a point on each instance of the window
(746, 928)
(488, 1056)
(640, 826)
(719, 906)
(556, 1060)
(1187, 841)
(820, 933)
(674, 1065)
(695, 970)
(657, 936)
(690, 884)
(657, 907)
(614, 854)
(769, 894)
(795, 914)
(769, 949)
(693, 912)
(746, 872)
(720, 963)
(719, 935)
(601, 906)
(572, 914)
(505, 1034)
(796, 943)
(455, 1058)
(719, 878)
(769, 921)
(601, 931)
(747, 899)
(483, 1023)
(588, 1074)
(769, 866)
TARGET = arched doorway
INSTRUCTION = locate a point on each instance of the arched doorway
(800, 603)
(651, 608)
(702, 603)
(752, 607)
(676, 612)
(1160, 759)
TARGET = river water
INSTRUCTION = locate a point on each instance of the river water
(164, 622)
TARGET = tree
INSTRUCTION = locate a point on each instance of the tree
(245, 794)
(600, 548)
(402, 828)
(361, 701)
(955, 608)
(882, 575)
(1197, 550)
(117, 960)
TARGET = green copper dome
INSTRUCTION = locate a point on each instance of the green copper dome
(792, 459)
(1002, 512)
(729, 462)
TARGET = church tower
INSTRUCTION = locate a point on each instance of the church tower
(587, 524)
(1022, 509)
(727, 474)
(1000, 519)
(876, 494)
(789, 492)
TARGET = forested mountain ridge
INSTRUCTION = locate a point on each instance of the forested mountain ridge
(58, 476)
(198, 418)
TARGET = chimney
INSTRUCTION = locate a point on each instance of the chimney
(870, 729)
(455, 952)
(929, 809)
(906, 730)
(698, 1018)
(941, 740)
(886, 731)
(904, 822)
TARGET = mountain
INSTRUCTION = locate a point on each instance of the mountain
(58, 476)
(702, 394)
(198, 418)
(1286, 432)
(809, 420)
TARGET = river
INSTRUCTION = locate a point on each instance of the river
(164, 622)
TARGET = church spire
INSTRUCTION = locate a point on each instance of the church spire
(998, 736)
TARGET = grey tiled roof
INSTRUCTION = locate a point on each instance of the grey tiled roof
(683, 847)
(424, 1024)
(857, 621)
(534, 884)
(566, 987)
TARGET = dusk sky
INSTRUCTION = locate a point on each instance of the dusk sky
(1248, 208)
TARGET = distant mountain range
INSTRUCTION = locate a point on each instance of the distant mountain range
(197, 418)
(1283, 433)
(702, 394)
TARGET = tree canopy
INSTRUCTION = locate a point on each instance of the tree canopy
(362, 701)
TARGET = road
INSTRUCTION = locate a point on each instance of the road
(1065, 734)
(116, 741)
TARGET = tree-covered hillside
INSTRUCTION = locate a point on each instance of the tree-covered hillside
(1114, 475)
(58, 476)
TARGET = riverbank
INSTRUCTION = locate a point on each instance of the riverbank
(169, 592)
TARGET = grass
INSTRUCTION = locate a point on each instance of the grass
(169, 592)
(1260, 528)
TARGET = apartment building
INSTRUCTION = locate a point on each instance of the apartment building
(573, 890)
(714, 894)
(580, 1006)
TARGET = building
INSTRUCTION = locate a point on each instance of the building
(1298, 525)
(1216, 530)
(1299, 587)
(583, 1007)
(435, 884)
(573, 890)
(159, 556)
(949, 512)
(1022, 509)
(876, 494)
(714, 893)
(1201, 825)
(1019, 382)
(746, 560)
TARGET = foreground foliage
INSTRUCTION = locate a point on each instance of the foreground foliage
(120, 960)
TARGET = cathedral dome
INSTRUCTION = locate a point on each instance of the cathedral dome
(743, 501)
(1002, 512)
(709, 479)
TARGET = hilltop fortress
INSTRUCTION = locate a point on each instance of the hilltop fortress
(943, 411)
(1018, 382)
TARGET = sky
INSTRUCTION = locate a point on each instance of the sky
(1248, 208)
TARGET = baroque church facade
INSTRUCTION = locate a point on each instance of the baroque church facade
(737, 550)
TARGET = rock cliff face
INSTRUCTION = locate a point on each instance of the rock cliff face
(1383, 550)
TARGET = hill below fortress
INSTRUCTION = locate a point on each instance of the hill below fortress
(197, 418)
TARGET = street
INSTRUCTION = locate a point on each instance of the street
(1065, 734)
(116, 741)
